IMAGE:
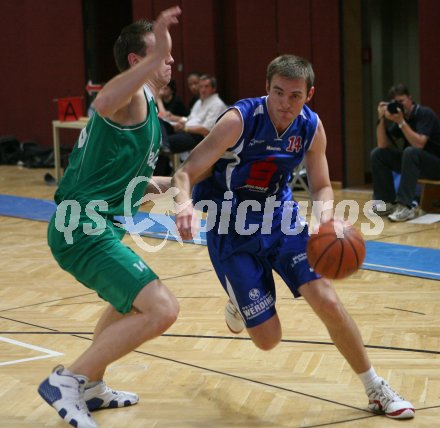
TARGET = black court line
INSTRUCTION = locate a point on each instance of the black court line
(76, 303)
(194, 336)
(93, 292)
(254, 381)
(213, 371)
(307, 342)
(47, 301)
(405, 310)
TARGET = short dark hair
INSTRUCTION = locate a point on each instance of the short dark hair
(131, 40)
(194, 73)
(172, 86)
(291, 67)
(211, 79)
(396, 90)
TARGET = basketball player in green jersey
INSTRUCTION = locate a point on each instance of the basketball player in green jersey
(119, 144)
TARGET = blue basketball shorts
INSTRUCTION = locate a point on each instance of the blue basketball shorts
(245, 265)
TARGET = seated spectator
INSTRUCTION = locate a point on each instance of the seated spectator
(170, 103)
(171, 108)
(191, 130)
(193, 85)
(419, 127)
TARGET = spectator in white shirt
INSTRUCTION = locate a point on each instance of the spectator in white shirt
(191, 130)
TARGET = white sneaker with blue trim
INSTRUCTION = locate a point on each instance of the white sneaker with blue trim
(64, 391)
(101, 396)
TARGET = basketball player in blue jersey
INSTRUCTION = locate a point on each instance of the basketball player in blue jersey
(120, 143)
(243, 168)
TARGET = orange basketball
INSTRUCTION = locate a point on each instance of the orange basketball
(336, 251)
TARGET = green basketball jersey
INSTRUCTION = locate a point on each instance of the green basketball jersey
(107, 158)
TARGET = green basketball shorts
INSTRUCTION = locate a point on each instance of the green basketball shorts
(101, 262)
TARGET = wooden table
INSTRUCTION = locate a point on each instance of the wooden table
(56, 126)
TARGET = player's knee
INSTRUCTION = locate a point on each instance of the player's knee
(169, 311)
(267, 344)
(266, 338)
(163, 315)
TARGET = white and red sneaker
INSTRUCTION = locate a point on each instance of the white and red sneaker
(386, 401)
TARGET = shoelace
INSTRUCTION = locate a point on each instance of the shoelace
(386, 392)
(81, 404)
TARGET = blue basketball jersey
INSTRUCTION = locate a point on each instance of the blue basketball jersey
(261, 163)
(252, 173)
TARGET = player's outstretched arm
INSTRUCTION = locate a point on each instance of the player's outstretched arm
(224, 135)
(117, 93)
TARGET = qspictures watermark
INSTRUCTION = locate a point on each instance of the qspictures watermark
(70, 215)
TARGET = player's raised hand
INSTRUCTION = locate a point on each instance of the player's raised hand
(161, 27)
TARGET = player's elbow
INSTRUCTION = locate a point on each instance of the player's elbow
(103, 106)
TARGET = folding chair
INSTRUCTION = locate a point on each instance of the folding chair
(298, 179)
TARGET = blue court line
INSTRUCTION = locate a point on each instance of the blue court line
(381, 256)
(402, 259)
(155, 225)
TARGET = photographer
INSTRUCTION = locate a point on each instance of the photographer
(419, 127)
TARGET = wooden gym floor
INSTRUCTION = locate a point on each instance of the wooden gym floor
(198, 374)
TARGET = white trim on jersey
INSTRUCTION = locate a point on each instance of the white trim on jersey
(314, 134)
(231, 166)
(84, 146)
(150, 97)
(233, 152)
(124, 129)
(148, 93)
(259, 110)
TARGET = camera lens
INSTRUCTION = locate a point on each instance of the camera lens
(393, 106)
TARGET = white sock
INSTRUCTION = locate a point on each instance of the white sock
(83, 377)
(92, 384)
(369, 378)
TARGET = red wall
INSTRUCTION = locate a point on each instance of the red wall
(193, 38)
(326, 59)
(233, 40)
(43, 56)
(42, 59)
(429, 39)
(256, 31)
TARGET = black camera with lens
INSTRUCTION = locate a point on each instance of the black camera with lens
(393, 106)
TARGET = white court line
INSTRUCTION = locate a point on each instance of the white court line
(403, 269)
(48, 352)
